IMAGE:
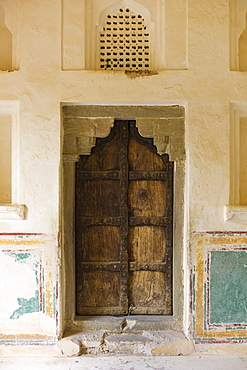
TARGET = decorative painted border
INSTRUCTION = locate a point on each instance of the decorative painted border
(202, 246)
(47, 296)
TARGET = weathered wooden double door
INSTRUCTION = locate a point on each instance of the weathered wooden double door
(124, 207)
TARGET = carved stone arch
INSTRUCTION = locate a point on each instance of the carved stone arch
(132, 5)
(167, 133)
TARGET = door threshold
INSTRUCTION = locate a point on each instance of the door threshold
(135, 323)
(126, 339)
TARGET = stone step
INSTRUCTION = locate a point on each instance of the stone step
(126, 343)
(167, 342)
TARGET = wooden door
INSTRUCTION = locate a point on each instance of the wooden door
(123, 226)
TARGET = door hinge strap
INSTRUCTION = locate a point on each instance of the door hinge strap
(107, 266)
(148, 175)
(147, 266)
(104, 221)
(100, 175)
(148, 221)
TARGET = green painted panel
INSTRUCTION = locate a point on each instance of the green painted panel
(228, 288)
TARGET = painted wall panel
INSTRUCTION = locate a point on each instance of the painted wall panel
(218, 283)
(228, 288)
(29, 287)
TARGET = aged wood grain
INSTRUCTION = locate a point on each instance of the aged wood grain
(124, 226)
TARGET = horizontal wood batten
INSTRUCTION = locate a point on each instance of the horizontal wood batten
(148, 221)
(148, 266)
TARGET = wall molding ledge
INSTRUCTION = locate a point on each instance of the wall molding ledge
(237, 213)
(12, 212)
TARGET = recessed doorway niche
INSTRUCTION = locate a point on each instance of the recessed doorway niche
(82, 124)
(9, 36)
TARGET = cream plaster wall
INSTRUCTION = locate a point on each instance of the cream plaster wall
(243, 161)
(5, 157)
(206, 88)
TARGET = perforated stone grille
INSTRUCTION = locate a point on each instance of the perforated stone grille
(125, 42)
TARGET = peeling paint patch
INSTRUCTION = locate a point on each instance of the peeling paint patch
(34, 262)
(19, 242)
(135, 74)
(21, 257)
(26, 306)
(29, 284)
(49, 295)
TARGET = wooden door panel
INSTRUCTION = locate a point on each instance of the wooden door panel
(145, 198)
(102, 226)
(100, 243)
(148, 197)
(101, 198)
(98, 290)
(147, 244)
(140, 157)
(104, 155)
(124, 226)
(150, 298)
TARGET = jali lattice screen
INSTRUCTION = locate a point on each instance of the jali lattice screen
(125, 42)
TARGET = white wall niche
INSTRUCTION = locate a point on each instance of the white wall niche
(9, 35)
(237, 209)
(238, 35)
(5, 43)
(10, 207)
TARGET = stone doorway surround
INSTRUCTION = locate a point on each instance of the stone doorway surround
(82, 123)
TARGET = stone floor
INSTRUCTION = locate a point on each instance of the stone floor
(203, 362)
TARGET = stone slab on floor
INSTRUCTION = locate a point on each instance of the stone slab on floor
(126, 363)
(169, 342)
